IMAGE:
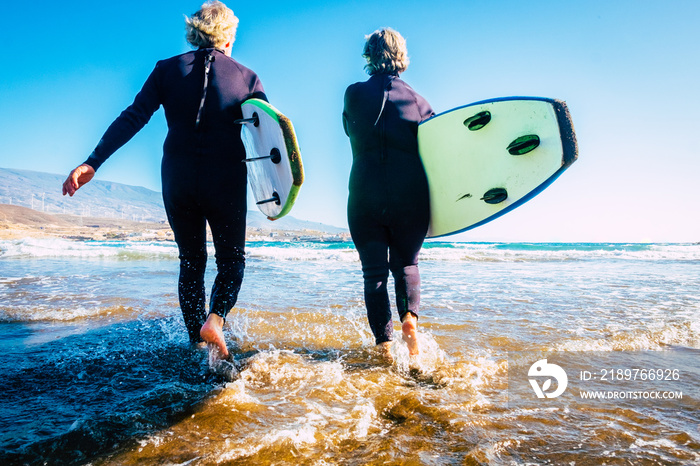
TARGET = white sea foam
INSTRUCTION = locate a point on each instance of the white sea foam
(345, 252)
(38, 312)
(57, 247)
(663, 445)
(650, 337)
(307, 386)
(522, 252)
(486, 252)
(302, 253)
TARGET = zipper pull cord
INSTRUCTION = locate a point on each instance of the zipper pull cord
(207, 65)
(387, 87)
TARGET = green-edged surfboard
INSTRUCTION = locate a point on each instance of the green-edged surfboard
(275, 171)
(487, 158)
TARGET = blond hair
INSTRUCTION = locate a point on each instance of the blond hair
(214, 25)
(385, 52)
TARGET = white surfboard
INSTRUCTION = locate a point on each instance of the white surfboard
(487, 158)
(275, 171)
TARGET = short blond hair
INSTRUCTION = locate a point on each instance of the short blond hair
(214, 25)
(385, 52)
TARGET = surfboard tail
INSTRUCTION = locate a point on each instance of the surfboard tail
(568, 135)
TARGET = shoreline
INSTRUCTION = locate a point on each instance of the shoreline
(17, 222)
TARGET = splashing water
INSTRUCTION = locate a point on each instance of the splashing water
(96, 366)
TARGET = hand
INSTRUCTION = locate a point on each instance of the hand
(78, 177)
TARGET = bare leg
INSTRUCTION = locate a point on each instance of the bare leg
(409, 328)
(213, 333)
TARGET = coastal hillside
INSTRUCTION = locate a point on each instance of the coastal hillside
(41, 192)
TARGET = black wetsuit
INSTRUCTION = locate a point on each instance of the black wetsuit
(388, 205)
(202, 174)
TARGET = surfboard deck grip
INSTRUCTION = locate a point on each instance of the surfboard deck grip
(524, 144)
(275, 198)
(254, 119)
(495, 196)
(478, 121)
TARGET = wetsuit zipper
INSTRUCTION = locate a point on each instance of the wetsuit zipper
(207, 66)
(385, 97)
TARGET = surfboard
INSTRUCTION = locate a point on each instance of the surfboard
(275, 170)
(487, 158)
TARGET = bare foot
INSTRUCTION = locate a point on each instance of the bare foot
(213, 333)
(410, 334)
(385, 351)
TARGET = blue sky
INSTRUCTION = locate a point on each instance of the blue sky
(628, 71)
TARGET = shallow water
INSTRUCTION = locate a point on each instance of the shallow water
(96, 367)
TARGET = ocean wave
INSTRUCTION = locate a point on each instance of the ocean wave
(57, 247)
(346, 252)
(651, 338)
(558, 252)
(64, 313)
(301, 253)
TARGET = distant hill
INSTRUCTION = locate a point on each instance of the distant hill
(105, 199)
(42, 192)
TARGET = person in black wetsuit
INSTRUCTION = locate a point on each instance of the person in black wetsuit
(202, 175)
(388, 205)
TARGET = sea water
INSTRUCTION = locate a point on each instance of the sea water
(96, 369)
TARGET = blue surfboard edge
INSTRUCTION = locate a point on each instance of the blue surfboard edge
(514, 205)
